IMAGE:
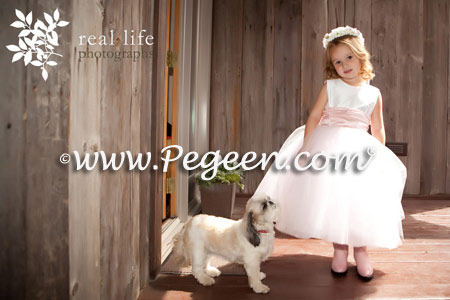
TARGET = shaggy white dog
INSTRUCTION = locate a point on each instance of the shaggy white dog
(248, 241)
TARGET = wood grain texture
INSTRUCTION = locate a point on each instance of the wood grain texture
(141, 17)
(53, 192)
(257, 69)
(435, 97)
(363, 20)
(157, 136)
(226, 75)
(349, 13)
(336, 14)
(388, 56)
(385, 57)
(116, 203)
(46, 180)
(410, 63)
(314, 27)
(116, 262)
(287, 55)
(13, 248)
(90, 105)
(120, 125)
(85, 137)
(447, 187)
(146, 74)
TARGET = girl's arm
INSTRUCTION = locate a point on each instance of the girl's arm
(377, 127)
(316, 112)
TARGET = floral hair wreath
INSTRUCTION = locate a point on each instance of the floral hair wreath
(341, 31)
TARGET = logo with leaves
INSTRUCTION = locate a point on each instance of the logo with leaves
(41, 45)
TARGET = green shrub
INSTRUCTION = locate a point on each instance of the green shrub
(223, 175)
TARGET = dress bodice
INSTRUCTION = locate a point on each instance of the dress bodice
(342, 94)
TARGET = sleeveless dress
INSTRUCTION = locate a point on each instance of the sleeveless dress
(352, 207)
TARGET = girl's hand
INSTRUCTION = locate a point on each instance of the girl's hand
(316, 112)
(377, 126)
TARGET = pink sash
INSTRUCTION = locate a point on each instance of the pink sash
(345, 117)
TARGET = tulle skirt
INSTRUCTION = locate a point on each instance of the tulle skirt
(352, 207)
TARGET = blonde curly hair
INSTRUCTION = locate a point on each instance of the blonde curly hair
(360, 52)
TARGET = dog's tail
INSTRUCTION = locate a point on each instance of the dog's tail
(180, 251)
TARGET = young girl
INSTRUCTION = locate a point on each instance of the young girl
(348, 207)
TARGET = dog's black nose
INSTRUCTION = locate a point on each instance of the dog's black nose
(274, 223)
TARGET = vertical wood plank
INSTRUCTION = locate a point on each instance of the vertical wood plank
(410, 62)
(349, 17)
(186, 71)
(120, 121)
(435, 97)
(226, 69)
(137, 97)
(13, 258)
(336, 14)
(46, 138)
(314, 27)
(141, 19)
(146, 75)
(257, 65)
(385, 38)
(268, 99)
(157, 135)
(387, 51)
(447, 187)
(286, 72)
(269, 143)
(363, 20)
(116, 201)
(84, 203)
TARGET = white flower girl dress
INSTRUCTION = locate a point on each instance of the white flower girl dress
(356, 208)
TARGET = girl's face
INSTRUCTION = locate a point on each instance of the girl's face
(347, 65)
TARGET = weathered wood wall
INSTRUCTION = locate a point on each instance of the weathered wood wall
(267, 69)
(34, 260)
(68, 234)
(114, 207)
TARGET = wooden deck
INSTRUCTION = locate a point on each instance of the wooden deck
(300, 269)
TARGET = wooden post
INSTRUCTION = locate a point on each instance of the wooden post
(157, 135)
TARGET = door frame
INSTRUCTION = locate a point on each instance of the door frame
(194, 98)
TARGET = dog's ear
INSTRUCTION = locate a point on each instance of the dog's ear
(252, 234)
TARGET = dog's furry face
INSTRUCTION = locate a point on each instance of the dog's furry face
(261, 213)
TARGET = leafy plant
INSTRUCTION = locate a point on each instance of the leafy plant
(223, 175)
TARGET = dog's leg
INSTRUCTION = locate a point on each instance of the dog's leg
(210, 270)
(254, 276)
(198, 266)
(262, 275)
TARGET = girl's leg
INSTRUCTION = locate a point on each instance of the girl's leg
(339, 263)
(362, 262)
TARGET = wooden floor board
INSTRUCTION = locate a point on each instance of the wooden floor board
(300, 269)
